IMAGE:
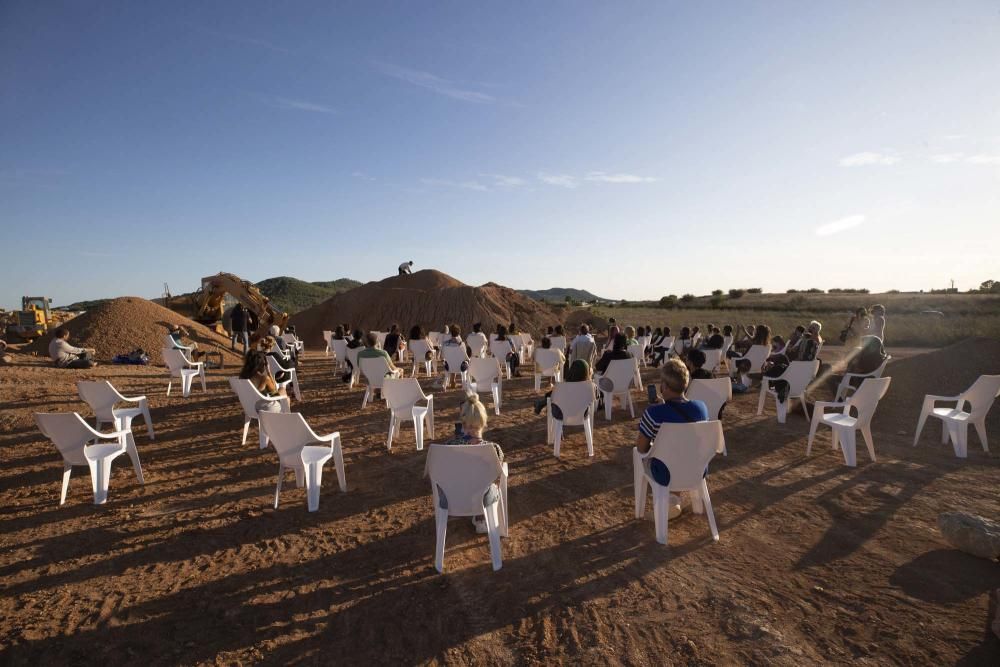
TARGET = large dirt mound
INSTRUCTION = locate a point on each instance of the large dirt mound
(129, 322)
(945, 372)
(429, 298)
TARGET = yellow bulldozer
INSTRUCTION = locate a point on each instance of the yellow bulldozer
(207, 305)
(32, 321)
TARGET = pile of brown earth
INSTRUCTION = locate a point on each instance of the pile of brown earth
(129, 323)
(945, 372)
(429, 298)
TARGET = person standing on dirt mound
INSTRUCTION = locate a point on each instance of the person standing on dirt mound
(405, 268)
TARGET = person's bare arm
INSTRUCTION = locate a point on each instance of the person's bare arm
(642, 443)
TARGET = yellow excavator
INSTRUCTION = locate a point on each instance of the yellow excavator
(32, 321)
(208, 303)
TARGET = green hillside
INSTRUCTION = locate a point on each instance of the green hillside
(559, 294)
(293, 295)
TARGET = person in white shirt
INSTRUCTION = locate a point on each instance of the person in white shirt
(476, 341)
(583, 346)
(65, 355)
(404, 268)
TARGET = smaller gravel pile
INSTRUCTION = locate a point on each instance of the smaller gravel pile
(129, 322)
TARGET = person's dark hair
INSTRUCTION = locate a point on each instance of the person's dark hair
(339, 332)
(762, 335)
(584, 329)
(371, 340)
(612, 321)
(743, 365)
(513, 329)
(559, 330)
(394, 328)
(709, 327)
(62, 332)
(621, 343)
(658, 331)
(546, 342)
(477, 327)
(727, 330)
(455, 331)
(694, 330)
(578, 371)
(801, 329)
(253, 364)
(685, 333)
(416, 333)
(501, 332)
(666, 331)
(549, 331)
(357, 335)
(696, 357)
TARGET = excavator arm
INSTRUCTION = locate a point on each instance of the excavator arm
(209, 302)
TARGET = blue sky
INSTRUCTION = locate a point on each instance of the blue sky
(633, 149)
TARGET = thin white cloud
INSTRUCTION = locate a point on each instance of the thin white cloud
(289, 104)
(561, 180)
(946, 158)
(983, 159)
(841, 225)
(868, 158)
(436, 84)
(604, 177)
(362, 175)
(504, 181)
(464, 185)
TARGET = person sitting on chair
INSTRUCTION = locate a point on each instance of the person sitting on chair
(619, 350)
(695, 363)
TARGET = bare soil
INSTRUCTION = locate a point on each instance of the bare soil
(817, 563)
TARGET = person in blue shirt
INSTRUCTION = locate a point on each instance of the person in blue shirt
(670, 408)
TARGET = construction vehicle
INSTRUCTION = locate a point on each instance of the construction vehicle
(32, 321)
(207, 305)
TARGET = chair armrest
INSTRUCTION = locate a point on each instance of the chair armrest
(932, 398)
(330, 437)
(848, 376)
(114, 435)
(821, 406)
(504, 468)
(133, 399)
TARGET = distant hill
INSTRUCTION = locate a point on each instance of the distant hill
(559, 294)
(84, 305)
(293, 295)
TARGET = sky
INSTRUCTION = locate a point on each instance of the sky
(634, 149)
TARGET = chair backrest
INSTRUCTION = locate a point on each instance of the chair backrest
(289, 339)
(100, 396)
(526, 338)
(500, 349)
(402, 393)
(464, 473)
(484, 371)
(866, 398)
(714, 393)
(712, 359)
(547, 361)
(667, 343)
(477, 343)
(339, 347)
(352, 355)
(327, 336)
(621, 372)
(454, 356)
(175, 360)
(981, 394)
(419, 349)
(727, 342)
(573, 398)
(380, 337)
(686, 450)
(558, 342)
(799, 374)
(248, 395)
(374, 370)
(273, 365)
(68, 432)
(757, 355)
(288, 433)
(435, 337)
(171, 342)
(637, 351)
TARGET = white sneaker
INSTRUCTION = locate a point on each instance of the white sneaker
(675, 506)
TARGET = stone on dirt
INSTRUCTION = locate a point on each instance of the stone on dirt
(971, 534)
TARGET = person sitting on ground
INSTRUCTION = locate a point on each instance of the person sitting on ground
(714, 341)
(630, 338)
(578, 371)
(65, 355)
(393, 341)
(619, 350)
(583, 346)
(256, 370)
(672, 407)
(695, 363)
(406, 268)
(511, 357)
(474, 418)
(877, 327)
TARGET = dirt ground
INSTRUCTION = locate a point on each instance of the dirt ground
(817, 563)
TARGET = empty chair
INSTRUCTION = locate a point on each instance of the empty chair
(461, 477)
(483, 376)
(844, 426)
(575, 406)
(727, 342)
(297, 450)
(617, 382)
(685, 451)
(638, 353)
(798, 375)
(845, 388)
(547, 364)
(714, 393)
(293, 376)
(500, 349)
(327, 337)
(253, 403)
(756, 355)
(380, 338)
(529, 345)
(435, 338)
(712, 360)
(454, 358)
(102, 398)
(420, 350)
(351, 354)
(955, 420)
(185, 369)
(172, 344)
(73, 437)
(293, 343)
(375, 370)
(339, 348)
(403, 395)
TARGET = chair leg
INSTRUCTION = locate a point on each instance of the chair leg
(281, 478)
(607, 404)
(246, 430)
(496, 399)
(760, 399)
(945, 432)
(781, 407)
(924, 411)
(557, 430)
(631, 406)
(186, 385)
(493, 530)
(638, 484)
(538, 381)
(960, 439)
(170, 383)
(812, 431)
(392, 431)
(149, 422)
(418, 431)
(314, 481)
(133, 453)
(849, 445)
(100, 477)
(981, 431)
(263, 436)
(707, 500)
(441, 522)
(367, 397)
(805, 406)
(505, 524)
(338, 463)
(588, 432)
(201, 373)
(661, 512)
(866, 433)
(67, 471)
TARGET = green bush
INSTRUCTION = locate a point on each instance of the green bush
(668, 301)
(716, 292)
(735, 293)
(755, 290)
(687, 298)
(717, 299)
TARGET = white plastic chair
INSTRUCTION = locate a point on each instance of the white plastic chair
(351, 353)
(454, 357)
(102, 397)
(339, 348)
(529, 346)
(185, 369)
(727, 343)
(72, 437)
(172, 344)
(419, 350)
(327, 337)
(520, 348)
(558, 343)
(477, 344)
(844, 426)
(547, 364)
(756, 355)
(435, 337)
(293, 440)
(464, 473)
(249, 398)
(638, 353)
(577, 405)
(798, 375)
(685, 449)
(621, 374)
(500, 349)
(484, 375)
(845, 388)
(713, 359)
(375, 370)
(293, 343)
(714, 394)
(955, 421)
(293, 376)
(403, 395)
(380, 339)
